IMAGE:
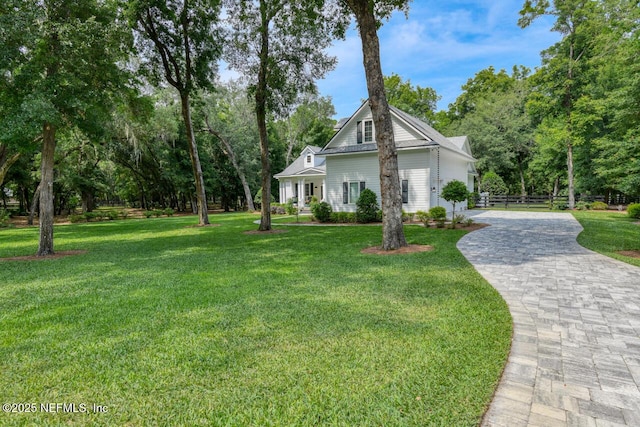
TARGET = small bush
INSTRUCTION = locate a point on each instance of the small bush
(92, 215)
(322, 211)
(468, 222)
(168, 212)
(423, 217)
(583, 206)
(633, 210)
(148, 214)
(74, 218)
(599, 206)
(157, 213)
(111, 215)
(343, 217)
(472, 200)
(4, 218)
(559, 206)
(367, 206)
(438, 212)
(290, 208)
(440, 222)
(407, 216)
(314, 199)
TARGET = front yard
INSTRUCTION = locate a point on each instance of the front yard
(161, 323)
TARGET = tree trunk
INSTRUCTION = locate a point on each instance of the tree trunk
(46, 190)
(34, 204)
(203, 213)
(523, 187)
(392, 227)
(261, 117)
(6, 162)
(234, 161)
(572, 197)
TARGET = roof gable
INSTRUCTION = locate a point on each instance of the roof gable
(415, 133)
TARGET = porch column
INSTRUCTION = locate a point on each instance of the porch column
(323, 190)
(302, 195)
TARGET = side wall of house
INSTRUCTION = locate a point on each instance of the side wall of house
(413, 166)
(452, 167)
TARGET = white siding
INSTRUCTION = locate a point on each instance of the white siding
(452, 167)
(401, 133)
(413, 165)
(351, 168)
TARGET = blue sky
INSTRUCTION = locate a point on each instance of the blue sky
(441, 45)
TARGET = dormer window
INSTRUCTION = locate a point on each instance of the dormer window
(364, 131)
(308, 159)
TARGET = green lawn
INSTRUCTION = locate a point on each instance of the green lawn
(608, 232)
(167, 324)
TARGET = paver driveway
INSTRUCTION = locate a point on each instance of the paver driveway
(575, 356)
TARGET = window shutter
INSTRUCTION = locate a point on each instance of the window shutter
(345, 193)
(359, 136)
(405, 191)
(362, 186)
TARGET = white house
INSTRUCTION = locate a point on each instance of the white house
(349, 163)
(304, 178)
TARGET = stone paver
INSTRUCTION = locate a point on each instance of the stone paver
(575, 355)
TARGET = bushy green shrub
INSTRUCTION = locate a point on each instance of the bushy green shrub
(4, 218)
(73, 218)
(583, 206)
(438, 212)
(468, 222)
(343, 217)
(423, 217)
(92, 216)
(157, 213)
(277, 209)
(407, 216)
(599, 206)
(321, 211)
(472, 200)
(168, 212)
(633, 210)
(559, 206)
(111, 215)
(290, 208)
(367, 206)
(148, 214)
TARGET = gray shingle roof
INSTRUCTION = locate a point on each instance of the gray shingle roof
(298, 167)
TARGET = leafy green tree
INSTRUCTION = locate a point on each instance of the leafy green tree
(279, 47)
(181, 43)
(455, 192)
(227, 117)
(492, 183)
(368, 16)
(420, 102)
(65, 73)
(565, 74)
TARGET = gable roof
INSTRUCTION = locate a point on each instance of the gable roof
(298, 168)
(429, 137)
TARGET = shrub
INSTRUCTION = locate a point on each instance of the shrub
(124, 213)
(4, 218)
(277, 209)
(583, 206)
(633, 210)
(472, 200)
(367, 206)
(468, 222)
(458, 219)
(111, 215)
(314, 199)
(73, 218)
(454, 192)
(148, 214)
(321, 211)
(438, 212)
(92, 215)
(493, 184)
(168, 212)
(407, 216)
(343, 217)
(559, 206)
(423, 217)
(290, 208)
(599, 206)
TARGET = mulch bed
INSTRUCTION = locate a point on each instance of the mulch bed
(56, 255)
(631, 254)
(411, 249)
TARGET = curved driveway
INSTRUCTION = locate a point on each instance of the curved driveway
(575, 355)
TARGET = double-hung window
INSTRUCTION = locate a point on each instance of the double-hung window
(351, 191)
(364, 131)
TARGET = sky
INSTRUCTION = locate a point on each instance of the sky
(440, 45)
